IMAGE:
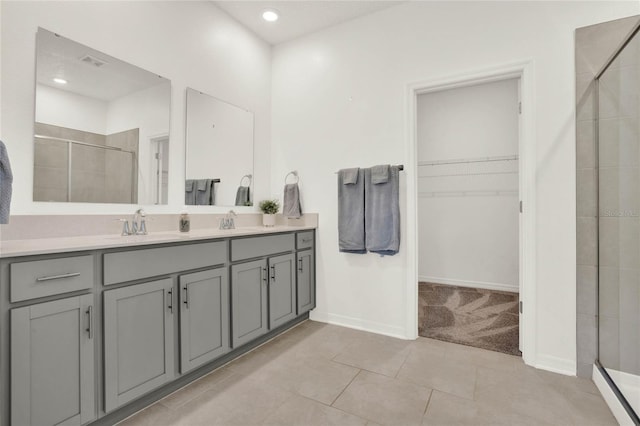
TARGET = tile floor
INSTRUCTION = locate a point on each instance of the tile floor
(320, 374)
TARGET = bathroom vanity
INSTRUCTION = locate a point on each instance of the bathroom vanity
(93, 329)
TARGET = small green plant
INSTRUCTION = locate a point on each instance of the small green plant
(269, 206)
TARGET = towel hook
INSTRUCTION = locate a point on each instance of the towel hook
(246, 176)
(294, 173)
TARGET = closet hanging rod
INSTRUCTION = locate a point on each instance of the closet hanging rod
(476, 193)
(468, 160)
(469, 174)
(399, 166)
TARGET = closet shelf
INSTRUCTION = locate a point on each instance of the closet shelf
(470, 193)
(469, 174)
(468, 160)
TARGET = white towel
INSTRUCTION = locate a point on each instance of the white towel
(6, 182)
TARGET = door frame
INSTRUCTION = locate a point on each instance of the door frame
(523, 70)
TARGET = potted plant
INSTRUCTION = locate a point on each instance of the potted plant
(269, 209)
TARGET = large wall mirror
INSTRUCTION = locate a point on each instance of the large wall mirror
(101, 127)
(219, 152)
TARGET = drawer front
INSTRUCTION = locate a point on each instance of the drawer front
(304, 240)
(249, 248)
(40, 278)
(137, 264)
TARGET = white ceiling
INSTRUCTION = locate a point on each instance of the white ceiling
(60, 57)
(297, 18)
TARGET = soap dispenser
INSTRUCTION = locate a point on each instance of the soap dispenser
(184, 224)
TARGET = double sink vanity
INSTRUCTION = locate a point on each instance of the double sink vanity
(94, 328)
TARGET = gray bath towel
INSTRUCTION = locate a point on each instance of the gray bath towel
(349, 176)
(380, 174)
(291, 205)
(242, 196)
(382, 213)
(6, 182)
(203, 192)
(351, 211)
(190, 192)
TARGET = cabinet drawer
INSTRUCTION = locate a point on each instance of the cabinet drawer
(304, 240)
(248, 248)
(137, 264)
(41, 278)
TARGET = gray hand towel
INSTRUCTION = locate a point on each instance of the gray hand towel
(382, 213)
(6, 182)
(380, 174)
(351, 211)
(349, 176)
(203, 192)
(190, 192)
(242, 196)
(291, 205)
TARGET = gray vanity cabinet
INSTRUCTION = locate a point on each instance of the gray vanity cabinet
(306, 281)
(248, 301)
(282, 290)
(204, 317)
(52, 363)
(138, 340)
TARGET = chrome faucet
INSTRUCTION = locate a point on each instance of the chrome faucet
(139, 223)
(227, 222)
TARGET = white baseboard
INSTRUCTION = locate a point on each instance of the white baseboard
(610, 398)
(556, 364)
(359, 324)
(475, 284)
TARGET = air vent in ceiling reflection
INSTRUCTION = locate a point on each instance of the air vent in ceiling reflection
(92, 60)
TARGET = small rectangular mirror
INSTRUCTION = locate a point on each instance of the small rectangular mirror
(101, 127)
(219, 152)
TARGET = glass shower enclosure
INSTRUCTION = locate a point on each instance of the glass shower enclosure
(618, 156)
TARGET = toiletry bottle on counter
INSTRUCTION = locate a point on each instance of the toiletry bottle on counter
(185, 222)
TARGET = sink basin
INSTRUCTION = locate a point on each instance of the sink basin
(160, 236)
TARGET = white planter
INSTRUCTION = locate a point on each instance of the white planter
(269, 219)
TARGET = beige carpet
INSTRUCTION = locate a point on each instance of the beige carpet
(485, 319)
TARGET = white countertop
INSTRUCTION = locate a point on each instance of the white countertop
(30, 247)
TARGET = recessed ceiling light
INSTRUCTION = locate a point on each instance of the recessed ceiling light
(59, 80)
(270, 15)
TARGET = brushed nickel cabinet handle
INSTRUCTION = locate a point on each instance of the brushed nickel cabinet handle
(300, 265)
(307, 240)
(170, 301)
(186, 296)
(58, 277)
(90, 327)
(273, 273)
(264, 275)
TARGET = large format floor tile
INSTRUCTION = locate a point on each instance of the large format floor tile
(384, 400)
(320, 374)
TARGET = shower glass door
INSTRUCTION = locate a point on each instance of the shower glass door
(618, 152)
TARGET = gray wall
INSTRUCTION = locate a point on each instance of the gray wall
(594, 46)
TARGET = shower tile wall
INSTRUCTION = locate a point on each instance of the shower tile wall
(594, 46)
(97, 175)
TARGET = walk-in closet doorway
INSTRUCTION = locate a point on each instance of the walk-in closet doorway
(472, 187)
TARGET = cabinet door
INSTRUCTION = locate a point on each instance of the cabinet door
(248, 301)
(204, 317)
(52, 363)
(138, 340)
(306, 281)
(282, 290)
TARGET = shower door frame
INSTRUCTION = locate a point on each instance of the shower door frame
(601, 368)
(523, 71)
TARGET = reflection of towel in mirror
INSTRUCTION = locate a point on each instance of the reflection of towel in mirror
(203, 192)
(242, 196)
(382, 210)
(189, 192)
(291, 206)
(351, 211)
(6, 180)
